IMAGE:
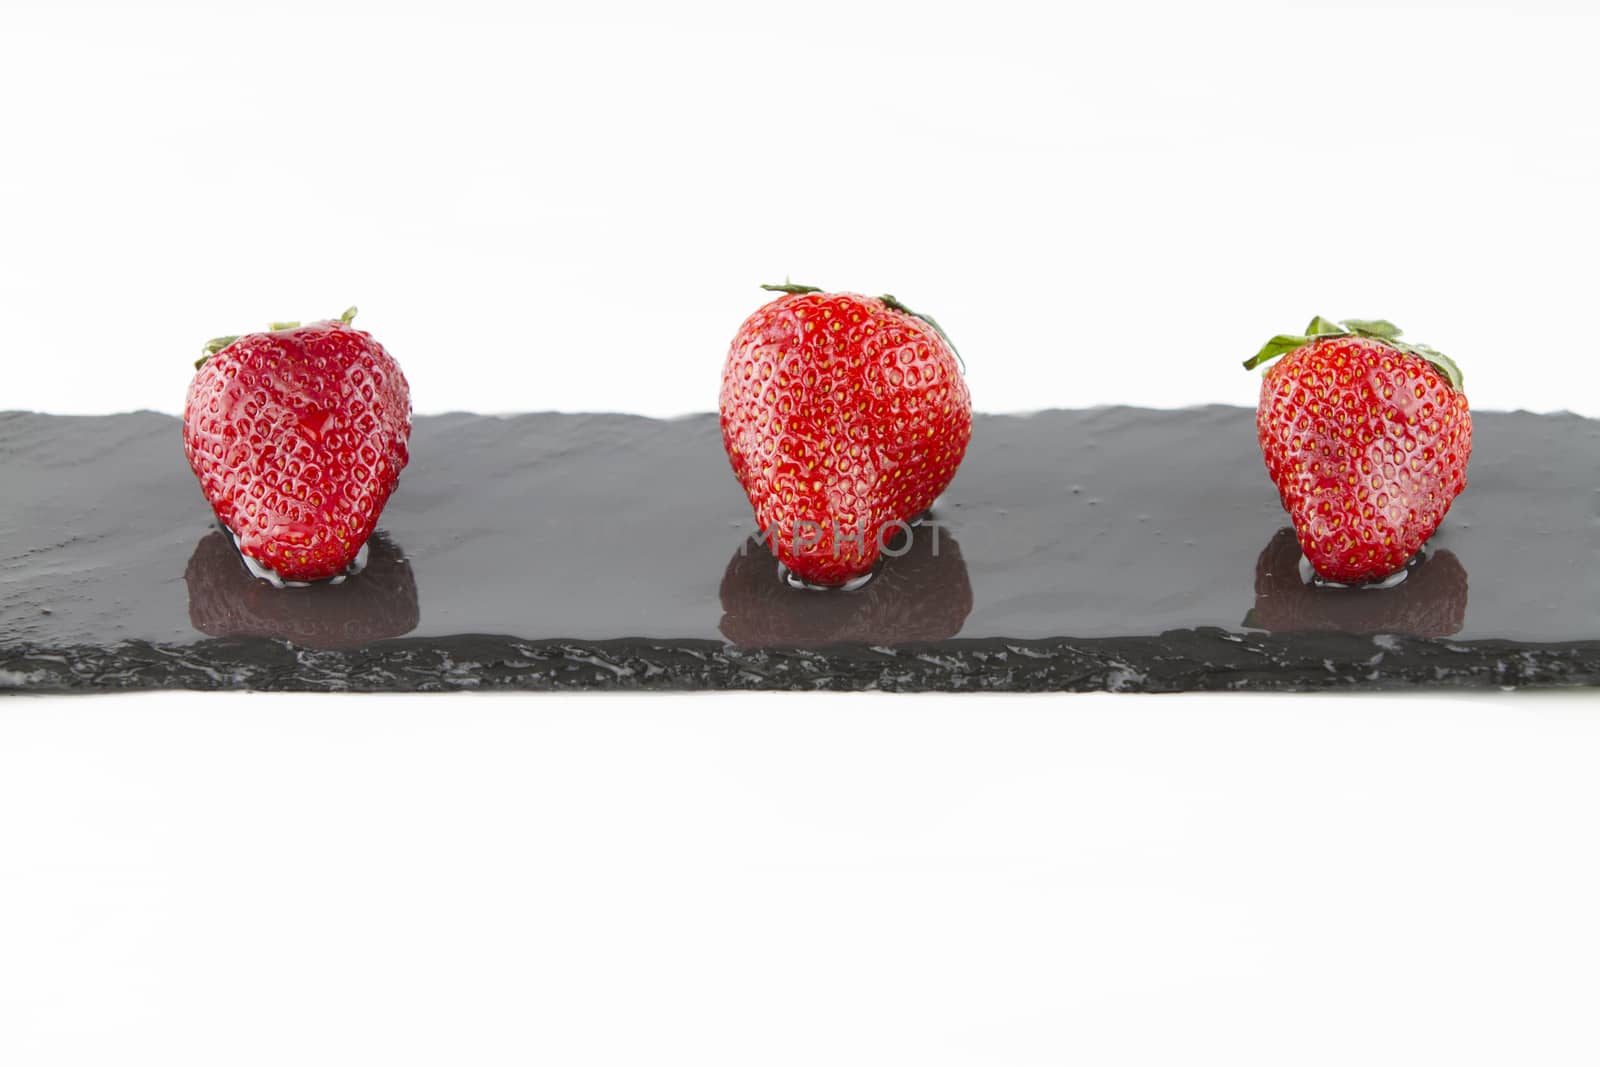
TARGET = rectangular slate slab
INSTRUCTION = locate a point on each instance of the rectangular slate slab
(1111, 548)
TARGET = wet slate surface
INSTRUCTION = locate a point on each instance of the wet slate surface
(1112, 548)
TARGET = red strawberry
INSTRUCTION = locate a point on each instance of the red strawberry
(1367, 438)
(843, 415)
(298, 436)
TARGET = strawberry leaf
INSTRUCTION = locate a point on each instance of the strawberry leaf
(1376, 329)
(1280, 345)
(217, 344)
(212, 347)
(1441, 362)
(1382, 329)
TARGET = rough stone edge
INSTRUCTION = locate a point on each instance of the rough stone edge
(1204, 659)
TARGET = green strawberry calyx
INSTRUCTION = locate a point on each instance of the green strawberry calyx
(217, 344)
(888, 300)
(1375, 329)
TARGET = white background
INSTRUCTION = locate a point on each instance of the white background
(572, 208)
(569, 209)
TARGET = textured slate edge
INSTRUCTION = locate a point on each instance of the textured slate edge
(1179, 660)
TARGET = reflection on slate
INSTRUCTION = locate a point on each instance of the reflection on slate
(1431, 602)
(1114, 548)
(226, 600)
(921, 595)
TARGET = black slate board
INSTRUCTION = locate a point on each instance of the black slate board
(1112, 548)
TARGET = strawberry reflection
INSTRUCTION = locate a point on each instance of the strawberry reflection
(225, 600)
(1431, 602)
(923, 595)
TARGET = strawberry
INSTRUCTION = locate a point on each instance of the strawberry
(1367, 439)
(298, 436)
(844, 416)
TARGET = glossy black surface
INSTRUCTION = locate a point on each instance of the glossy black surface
(1115, 548)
